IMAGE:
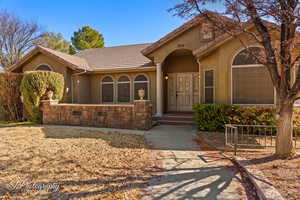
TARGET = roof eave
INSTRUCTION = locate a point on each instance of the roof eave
(38, 49)
(118, 70)
(23, 60)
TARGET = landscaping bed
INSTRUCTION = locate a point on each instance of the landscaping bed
(67, 163)
(283, 173)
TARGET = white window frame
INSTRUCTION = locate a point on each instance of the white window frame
(214, 83)
(107, 83)
(50, 67)
(295, 76)
(246, 66)
(148, 85)
(117, 89)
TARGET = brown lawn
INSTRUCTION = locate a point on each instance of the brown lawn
(67, 163)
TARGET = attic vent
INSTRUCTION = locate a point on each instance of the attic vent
(207, 32)
(76, 113)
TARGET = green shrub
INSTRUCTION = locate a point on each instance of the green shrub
(36, 85)
(213, 117)
(10, 101)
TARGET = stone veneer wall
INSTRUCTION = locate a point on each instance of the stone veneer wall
(130, 116)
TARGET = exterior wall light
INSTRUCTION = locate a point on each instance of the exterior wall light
(166, 77)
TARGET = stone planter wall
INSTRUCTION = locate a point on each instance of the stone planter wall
(130, 116)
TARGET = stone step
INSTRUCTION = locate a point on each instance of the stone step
(178, 123)
(178, 117)
(180, 113)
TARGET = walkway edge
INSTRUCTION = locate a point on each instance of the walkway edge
(265, 189)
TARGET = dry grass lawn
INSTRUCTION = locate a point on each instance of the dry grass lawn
(61, 163)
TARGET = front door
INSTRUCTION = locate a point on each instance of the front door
(182, 91)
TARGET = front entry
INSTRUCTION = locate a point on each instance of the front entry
(183, 91)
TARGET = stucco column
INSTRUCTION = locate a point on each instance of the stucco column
(159, 85)
(199, 76)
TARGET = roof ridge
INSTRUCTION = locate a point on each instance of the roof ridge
(67, 57)
(91, 49)
(49, 49)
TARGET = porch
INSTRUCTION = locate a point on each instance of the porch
(178, 83)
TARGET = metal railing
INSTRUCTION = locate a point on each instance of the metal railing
(255, 136)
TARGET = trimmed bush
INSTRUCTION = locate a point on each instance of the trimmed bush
(37, 84)
(213, 117)
(10, 101)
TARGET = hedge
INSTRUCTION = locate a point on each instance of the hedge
(10, 101)
(36, 85)
(213, 117)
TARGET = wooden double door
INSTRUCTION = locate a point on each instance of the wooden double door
(183, 91)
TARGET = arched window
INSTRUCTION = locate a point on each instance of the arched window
(107, 90)
(43, 67)
(251, 82)
(141, 82)
(123, 89)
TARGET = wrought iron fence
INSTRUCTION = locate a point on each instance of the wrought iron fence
(255, 136)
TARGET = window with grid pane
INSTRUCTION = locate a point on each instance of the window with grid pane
(209, 86)
(141, 82)
(123, 89)
(251, 82)
(107, 90)
(43, 67)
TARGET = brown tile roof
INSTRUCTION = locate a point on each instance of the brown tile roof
(117, 57)
(110, 58)
(74, 60)
(71, 61)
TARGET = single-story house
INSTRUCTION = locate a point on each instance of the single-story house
(191, 64)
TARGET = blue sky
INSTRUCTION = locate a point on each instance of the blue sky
(121, 22)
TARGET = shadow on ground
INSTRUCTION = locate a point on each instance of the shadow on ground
(187, 177)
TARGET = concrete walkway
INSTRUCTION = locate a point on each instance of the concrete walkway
(188, 172)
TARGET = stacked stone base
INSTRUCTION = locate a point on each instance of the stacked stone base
(134, 116)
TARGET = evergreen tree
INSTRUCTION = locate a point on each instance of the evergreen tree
(86, 38)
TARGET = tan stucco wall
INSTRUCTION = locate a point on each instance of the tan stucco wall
(88, 89)
(190, 40)
(221, 60)
(177, 64)
(56, 66)
(82, 89)
(95, 86)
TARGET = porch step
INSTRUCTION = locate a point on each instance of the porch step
(180, 113)
(178, 123)
(175, 119)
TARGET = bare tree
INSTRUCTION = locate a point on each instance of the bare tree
(16, 38)
(275, 24)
